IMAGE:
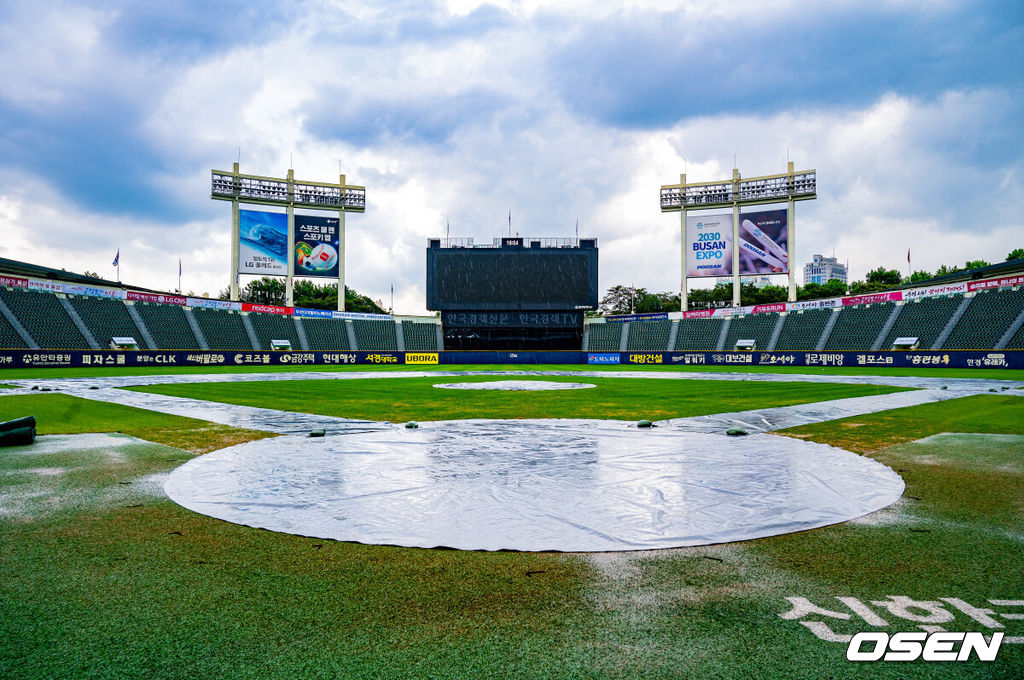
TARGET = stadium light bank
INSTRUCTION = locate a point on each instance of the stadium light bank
(788, 187)
(289, 193)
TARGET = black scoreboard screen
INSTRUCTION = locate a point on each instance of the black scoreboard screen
(511, 278)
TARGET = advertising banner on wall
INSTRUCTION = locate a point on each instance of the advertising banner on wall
(316, 246)
(709, 245)
(262, 243)
(764, 242)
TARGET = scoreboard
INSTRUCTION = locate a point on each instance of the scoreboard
(518, 275)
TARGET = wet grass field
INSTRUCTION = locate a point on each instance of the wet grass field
(418, 399)
(102, 576)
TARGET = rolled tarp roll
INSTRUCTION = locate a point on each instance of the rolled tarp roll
(21, 436)
(18, 423)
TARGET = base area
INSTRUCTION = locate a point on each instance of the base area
(534, 486)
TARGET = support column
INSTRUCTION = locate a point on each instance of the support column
(683, 302)
(234, 241)
(289, 288)
(791, 238)
(341, 247)
(735, 238)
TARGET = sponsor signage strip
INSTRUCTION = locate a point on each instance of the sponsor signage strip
(626, 318)
(154, 358)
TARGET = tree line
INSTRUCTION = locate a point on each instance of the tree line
(631, 300)
(269, 290)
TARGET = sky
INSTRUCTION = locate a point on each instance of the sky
(456, 112)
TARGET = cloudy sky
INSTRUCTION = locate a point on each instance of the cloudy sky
(113, 114)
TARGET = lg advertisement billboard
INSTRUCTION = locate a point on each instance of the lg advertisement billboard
(262, 243)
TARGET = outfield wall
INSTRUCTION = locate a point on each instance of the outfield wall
(1013, 359)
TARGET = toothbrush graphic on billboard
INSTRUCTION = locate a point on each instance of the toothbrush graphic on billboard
(317, 245)
(763, 243)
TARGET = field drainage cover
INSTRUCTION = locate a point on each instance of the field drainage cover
(537, 485)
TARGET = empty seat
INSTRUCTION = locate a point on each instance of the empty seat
(44, 318)
(858, 326)
(756, 327)
(223, 329)
(326, 334)
(167, 325)
(420, 337)
(9, 338)
(107, 319)
(986, 319)
(648, 336)
(923, 319)
(604, 337)
(700, 334)
(373, 334)
(274, 327)
(801, 330)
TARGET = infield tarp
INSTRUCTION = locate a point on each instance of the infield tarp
(534, 486)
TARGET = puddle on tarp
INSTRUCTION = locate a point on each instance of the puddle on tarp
(526, 485)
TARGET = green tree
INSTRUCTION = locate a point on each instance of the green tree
(919, 275)
(977, 264)
(1015, 254)
(269, 290)
(883, 276)
(946, 270)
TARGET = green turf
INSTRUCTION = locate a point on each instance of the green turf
(63, 413)
(994, 414)
(103, 577)
(35, 373)
(416, 399)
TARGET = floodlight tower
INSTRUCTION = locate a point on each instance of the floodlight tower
(788, 187)
(289, 193)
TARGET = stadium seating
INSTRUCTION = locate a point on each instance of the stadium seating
(801, 330)
(604, 337)
(756, 327)
(325, 334)
(223, 329)
(923, 319)
(9, 338)
(106, 319)
(648, 336)
(167, 325)
(419, 337)
(858, 326)
(698, 334)
(44, 318)
(987, 317)
(274, 327)
(1017, 341)
(375, 335)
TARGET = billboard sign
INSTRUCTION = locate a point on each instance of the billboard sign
(316, 246)
(709, 245)
(764, 242)
(262, 243)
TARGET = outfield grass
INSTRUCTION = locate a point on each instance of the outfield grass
(405, 399)
(993, 414)
(102, 576)
(65, 414)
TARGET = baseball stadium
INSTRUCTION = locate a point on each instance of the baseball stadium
(194, 487)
